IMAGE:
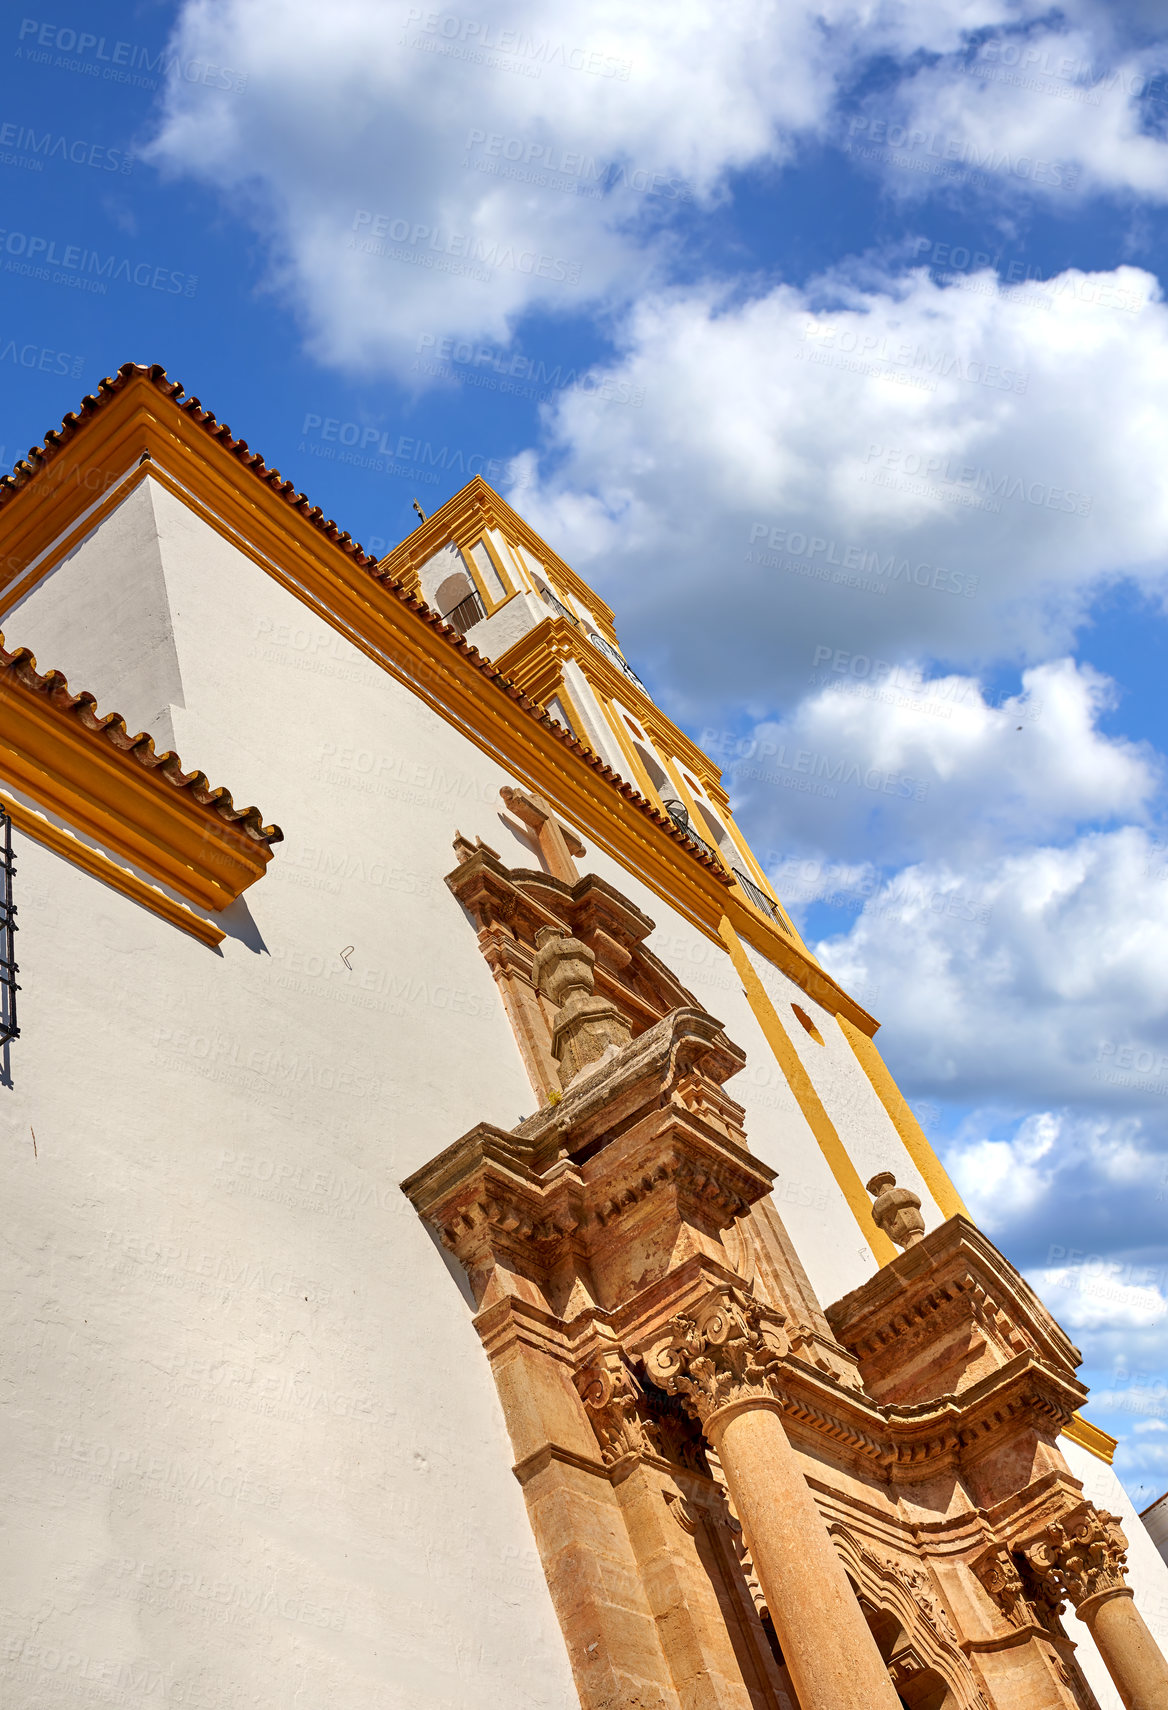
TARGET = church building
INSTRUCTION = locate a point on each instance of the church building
(462, 1248)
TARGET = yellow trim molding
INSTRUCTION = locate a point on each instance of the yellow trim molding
(1090, 1437)
(916, 1142)
(99, 866)
(820, 1123)
(114, 789)
(524, 662)
(137, 424)
(463, 519)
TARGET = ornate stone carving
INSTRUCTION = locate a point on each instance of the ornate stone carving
(1081, 1558)
(913, 1581)
(588, 1030)
(998, 1572)
(615, 1404)
(728, 1351)
(897, 1210)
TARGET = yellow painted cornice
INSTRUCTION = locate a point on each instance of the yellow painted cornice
(463, 519)
(113, 788)
(50, 504)
(99, 866)
(132, 427)
(1090, 1437)
(553, 639)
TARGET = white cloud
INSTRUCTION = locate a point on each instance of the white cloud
(1003, 1179)
(352, 107)
(355, 107)
(1039, 976)
(1098, 1296)
(768, 500)
(1045, 1162)
(1025, 107)
(928, 766)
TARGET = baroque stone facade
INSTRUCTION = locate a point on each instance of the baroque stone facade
(255, 1454)
(743, 1498)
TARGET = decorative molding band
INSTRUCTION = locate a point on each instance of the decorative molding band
(1097, 1442)
(99, 866)
(820, 1123)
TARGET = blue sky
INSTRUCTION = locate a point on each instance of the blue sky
(829, 343)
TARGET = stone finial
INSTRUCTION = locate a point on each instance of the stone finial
(588, 1028)
(897, 1210)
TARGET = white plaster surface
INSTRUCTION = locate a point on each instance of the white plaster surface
(508, 624)
(847, 1094)
(255, 1452)
(115, 628)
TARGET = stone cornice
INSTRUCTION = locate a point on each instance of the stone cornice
(653, 1121)
(899, 1445)
(914, 1316)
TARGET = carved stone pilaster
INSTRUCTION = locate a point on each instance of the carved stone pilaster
(1080, 1559)
(728, 1350)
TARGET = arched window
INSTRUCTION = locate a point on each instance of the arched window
(657, 774)
(718, 833)
(458, 602)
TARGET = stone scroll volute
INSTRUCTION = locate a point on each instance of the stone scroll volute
(726, 1351)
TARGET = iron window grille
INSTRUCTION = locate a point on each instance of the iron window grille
(8, 964)
(760, 899)
(559, 607)
(466, 613)
(609, 652)
(680, 817)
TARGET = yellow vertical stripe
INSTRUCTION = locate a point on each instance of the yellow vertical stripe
(916, 1142)
(820, 1123)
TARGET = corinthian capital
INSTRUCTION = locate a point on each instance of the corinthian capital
(999, 1574)
(726, 1351)
(615, 1406)
(1080, 1559)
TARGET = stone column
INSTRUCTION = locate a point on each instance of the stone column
(720, 1362)
(1083, 1561)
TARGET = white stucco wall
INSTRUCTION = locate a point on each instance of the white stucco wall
(847, 1094)
(116, 629)
(256, 1450)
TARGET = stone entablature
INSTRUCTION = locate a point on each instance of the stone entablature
(945, 1314)
(842, 1489)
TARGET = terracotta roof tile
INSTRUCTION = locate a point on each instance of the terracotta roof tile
(28, 469)
(20, 667)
